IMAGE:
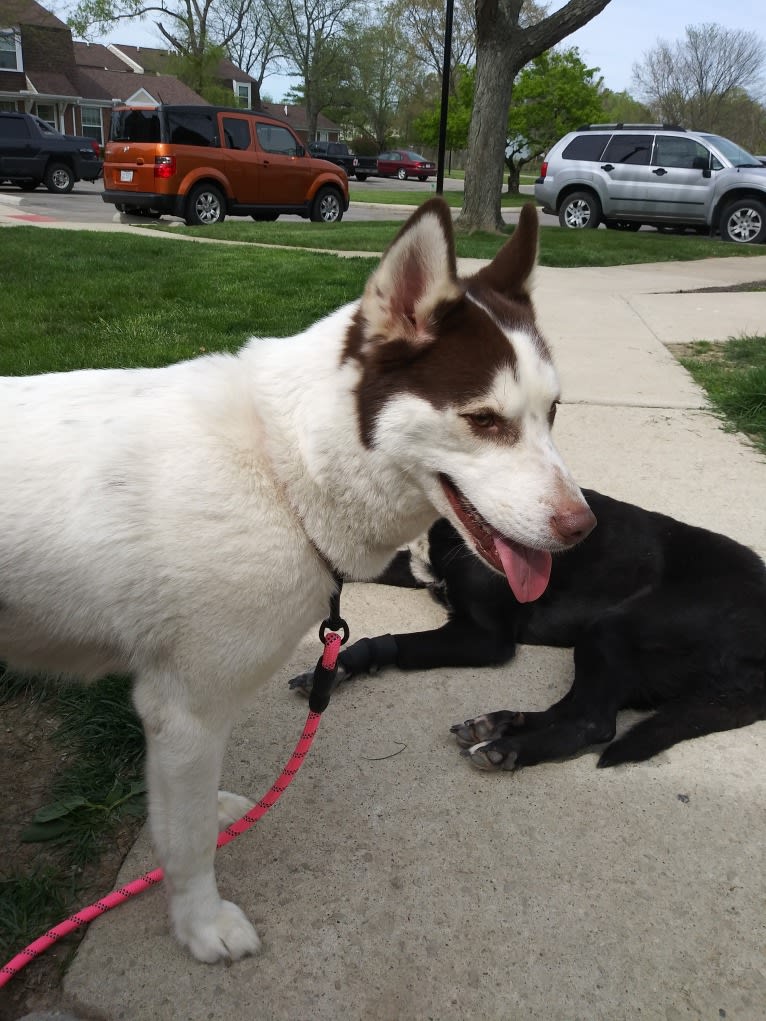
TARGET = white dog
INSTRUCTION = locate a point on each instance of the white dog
(181, 523)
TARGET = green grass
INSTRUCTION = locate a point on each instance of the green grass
(116, 300)
(734, 375)
(558, 247)
(389, 196)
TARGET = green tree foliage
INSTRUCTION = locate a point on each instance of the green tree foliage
(459, 113)
(552, 95)
(622, 108)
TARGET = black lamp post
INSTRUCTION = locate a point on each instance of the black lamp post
(445, 98)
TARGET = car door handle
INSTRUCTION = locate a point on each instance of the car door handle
(660, 172)
(608, 166)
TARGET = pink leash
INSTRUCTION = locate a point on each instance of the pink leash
(112, 900)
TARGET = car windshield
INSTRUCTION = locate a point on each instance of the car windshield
(734, 153)
(416, 156)
(45, 127)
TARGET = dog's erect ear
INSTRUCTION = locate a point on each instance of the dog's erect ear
(416, 275)
(510, 271)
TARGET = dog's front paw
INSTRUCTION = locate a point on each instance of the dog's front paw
(228, 936)
(231, 808)
(304, 683)
(488, 727)
(492, 756)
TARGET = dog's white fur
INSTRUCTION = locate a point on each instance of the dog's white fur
(167, 522)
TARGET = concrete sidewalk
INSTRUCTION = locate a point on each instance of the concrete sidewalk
(397, 882)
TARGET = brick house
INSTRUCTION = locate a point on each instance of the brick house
(74, 85)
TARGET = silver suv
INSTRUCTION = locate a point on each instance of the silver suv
(626, 175)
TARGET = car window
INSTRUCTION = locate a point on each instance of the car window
(273, 138)
(738, 156)
(135, 126)
(684, 153)
(236, 133)
(10, 127)
(192, 127)
(415, 156)
(633, 150)
(585, 147)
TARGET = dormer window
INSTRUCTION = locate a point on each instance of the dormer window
(10, 50)
(242, 92)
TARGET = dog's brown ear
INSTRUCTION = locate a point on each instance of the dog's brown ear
(510, 272)
(416, 276)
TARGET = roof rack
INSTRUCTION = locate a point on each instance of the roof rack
(623, 126)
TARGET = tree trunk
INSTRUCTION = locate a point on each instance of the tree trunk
(514, 177)
(502, 51)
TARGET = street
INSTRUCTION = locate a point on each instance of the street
(84, 205)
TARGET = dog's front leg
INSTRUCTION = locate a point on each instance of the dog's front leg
(183, 762)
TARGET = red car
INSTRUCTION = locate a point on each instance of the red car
(404, 163)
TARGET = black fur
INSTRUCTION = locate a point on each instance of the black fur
(663, 616)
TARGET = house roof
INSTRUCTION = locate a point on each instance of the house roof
(50, 83)
(97, 55)
(158, 61)
(27, 12)
(98, 83)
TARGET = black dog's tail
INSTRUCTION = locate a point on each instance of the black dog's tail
(683, 719)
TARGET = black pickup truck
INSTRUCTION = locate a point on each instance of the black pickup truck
(338, 153)
(31, 153)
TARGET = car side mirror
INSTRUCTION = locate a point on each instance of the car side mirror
(707, 173)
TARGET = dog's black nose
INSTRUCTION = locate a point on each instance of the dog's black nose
(572, 524)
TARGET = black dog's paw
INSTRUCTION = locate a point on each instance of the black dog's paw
(487, 727)
(304, 683)
(492, 756)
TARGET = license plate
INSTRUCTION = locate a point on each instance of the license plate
(126, 176)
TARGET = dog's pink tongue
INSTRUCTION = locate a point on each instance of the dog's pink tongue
(527, 570)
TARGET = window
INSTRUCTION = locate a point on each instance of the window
(135, 126)
(10, 50)
(585, 147)
(633, 150)
(684, 153)
(13, 127)
(236, 133)
(242, 92)
(91, 123)
(273, 138)
(46, 112)
(192, 127)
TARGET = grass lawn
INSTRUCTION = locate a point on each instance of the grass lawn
(389, 196)
(558, 247)
(734, 375)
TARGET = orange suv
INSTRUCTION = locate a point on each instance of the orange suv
(202, 162)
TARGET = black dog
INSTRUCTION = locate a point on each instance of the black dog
(662, 616)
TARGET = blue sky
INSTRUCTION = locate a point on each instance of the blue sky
(613, 41)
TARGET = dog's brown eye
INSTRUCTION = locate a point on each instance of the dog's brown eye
(483, 420)
(552, 412)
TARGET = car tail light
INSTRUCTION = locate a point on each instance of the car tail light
(544, 168)
(95, 147)
(164, 166)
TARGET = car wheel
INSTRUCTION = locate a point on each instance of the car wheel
(29, 185)
(59, 178)
(401, 173)
(205, 206)
(327, 206)
(361, 177)
(580, 211)
(744, 221)
(422, 178)
(264, 217)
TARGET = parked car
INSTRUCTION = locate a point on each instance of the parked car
(206, 162)
(626, 175)
(360, 167)
(33, 153)
(404, 163)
